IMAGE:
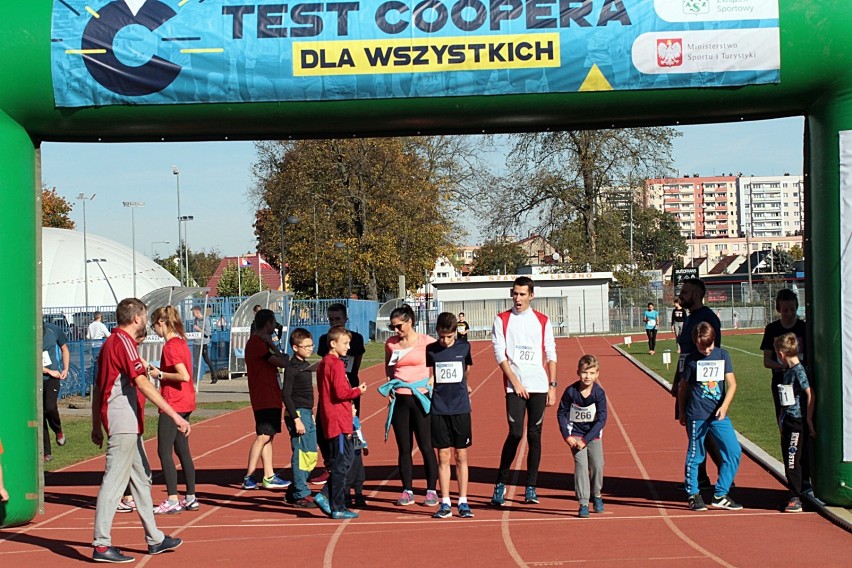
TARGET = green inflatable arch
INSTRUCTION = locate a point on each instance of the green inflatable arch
(150, 70)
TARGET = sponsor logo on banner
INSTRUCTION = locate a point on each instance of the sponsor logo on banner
(709, 51)
(669, 52)
(696, 6)
(715, 10)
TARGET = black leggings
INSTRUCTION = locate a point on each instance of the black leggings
(169, 440)
(652, 338)
(50, 398)
(409, 421)
(516, 407)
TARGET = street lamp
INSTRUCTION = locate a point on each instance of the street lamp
(82, 197)
(153, 252)
(176, 173)
(348, 268)
(98, 262)
(133, 205)
(290, 220)
(185, 219)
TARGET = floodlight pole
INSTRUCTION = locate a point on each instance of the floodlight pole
(133, 205)
(82, 197)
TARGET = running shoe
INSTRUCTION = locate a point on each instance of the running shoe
(696, 503)
(406, 498)
(275, 482)
(583, 513)
(126, 506)
(358, 502)
(168, 508)
(444, 512)
(345, 514)
(499, 497)
(320, 478)
(190, 505)
(61, 439)
(48, 457)
(249, 483)
(725, 502)
(167, 544)
(431, 499)
(794, 506)
(110, 554)
(530, 495)
(304, 503)
(597, 505)
(321, 501)
(464, 511)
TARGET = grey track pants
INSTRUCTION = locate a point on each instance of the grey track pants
(125, 461)
(588, 471)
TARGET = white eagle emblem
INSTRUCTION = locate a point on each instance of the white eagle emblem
(669, 52)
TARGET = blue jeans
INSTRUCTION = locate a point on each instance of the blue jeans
(723, 432)
(342, 452)
(304, 451)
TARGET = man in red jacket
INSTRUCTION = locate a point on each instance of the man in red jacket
(336, 412)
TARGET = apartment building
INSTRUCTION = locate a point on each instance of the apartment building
(771, 206)
(705, 207)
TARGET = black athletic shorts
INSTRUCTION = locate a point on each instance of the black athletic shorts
(453, 431)
(267, 421)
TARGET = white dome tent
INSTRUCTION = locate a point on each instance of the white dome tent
(110, 270)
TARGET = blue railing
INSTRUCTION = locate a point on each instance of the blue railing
(310, 314)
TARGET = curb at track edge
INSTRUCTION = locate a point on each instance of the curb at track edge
(837, 515)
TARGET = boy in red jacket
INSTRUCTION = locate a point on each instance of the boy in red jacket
(335, 411)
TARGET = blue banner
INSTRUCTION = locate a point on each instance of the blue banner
(210, 51)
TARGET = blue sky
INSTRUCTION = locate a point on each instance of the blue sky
(215, 178)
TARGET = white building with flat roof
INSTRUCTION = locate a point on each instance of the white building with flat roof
(576, 302)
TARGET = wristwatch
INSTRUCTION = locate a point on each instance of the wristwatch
(554, 384)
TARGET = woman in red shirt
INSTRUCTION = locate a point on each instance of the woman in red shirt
(175, 378)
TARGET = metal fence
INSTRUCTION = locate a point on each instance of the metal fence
(620, 313)
(737, 305)
(74, 321)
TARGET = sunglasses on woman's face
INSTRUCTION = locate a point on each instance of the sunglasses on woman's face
(395, 326)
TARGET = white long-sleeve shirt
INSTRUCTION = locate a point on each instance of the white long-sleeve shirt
(522, 346)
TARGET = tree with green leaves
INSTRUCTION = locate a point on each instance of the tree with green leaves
(498, 256)
(234, 281)
(55, 210)
(386, 201)
(202, 265)
(796, 252)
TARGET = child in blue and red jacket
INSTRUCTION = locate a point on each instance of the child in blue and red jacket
(582, 416)
(335, 410)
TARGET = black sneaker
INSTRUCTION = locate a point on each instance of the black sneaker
(696, 503)
(111, 555)
(168, 543)
(304, 503)
(725, 502)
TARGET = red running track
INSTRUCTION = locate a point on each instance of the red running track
(646, 522)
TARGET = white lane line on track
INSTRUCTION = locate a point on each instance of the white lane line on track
(653, 490)
(554, 517)
(752, 353)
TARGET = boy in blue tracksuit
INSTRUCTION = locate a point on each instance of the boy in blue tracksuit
(582, 416)
(704, 396)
